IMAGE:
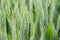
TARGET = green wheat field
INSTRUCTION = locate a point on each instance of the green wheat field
(29, 19)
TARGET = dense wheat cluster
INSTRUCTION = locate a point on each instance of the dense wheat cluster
(29, 19)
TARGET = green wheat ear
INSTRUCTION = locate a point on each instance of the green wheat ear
(48, 32)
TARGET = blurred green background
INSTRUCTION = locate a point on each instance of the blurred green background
(29, 19)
